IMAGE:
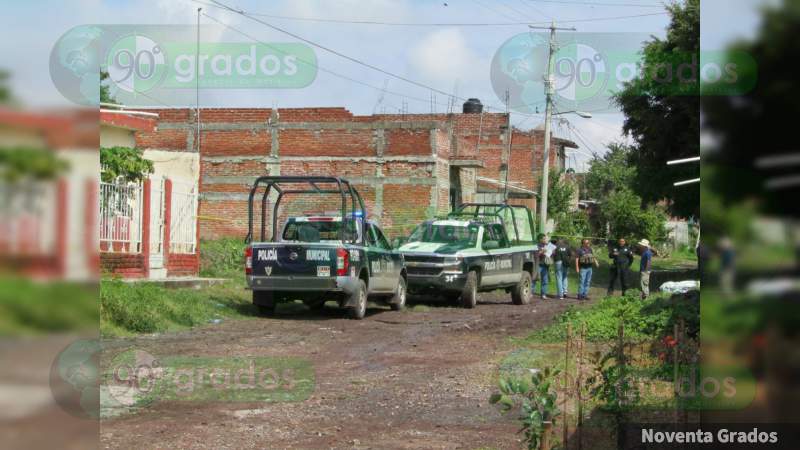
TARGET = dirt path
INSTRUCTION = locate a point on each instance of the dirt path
(413, 379)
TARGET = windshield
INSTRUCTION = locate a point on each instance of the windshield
(318, 231)
(454, 233)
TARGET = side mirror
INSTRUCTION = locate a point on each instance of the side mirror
(491, 245)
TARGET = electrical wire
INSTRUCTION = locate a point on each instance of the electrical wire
(365, 64)
(422, 24)
(565, 2)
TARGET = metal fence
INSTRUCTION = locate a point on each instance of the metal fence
(183, 214)
(121, 217)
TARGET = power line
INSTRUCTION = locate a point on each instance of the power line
(422, 24)
(317, 66)
(565, 2)
(339, 54)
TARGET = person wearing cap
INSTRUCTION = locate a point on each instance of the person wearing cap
(645, 264)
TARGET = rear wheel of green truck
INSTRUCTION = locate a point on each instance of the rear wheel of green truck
(398, 302)
(359, 301)
(521, 294)
(469, 296)
(264, 302)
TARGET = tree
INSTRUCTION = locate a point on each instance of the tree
(623, 212)
(559, 194)
(26, 163)
(5, 91)
(123, 162)
(750, 126)
(610, 172)
(663, 117)
(105, 90)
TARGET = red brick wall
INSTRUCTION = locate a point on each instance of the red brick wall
(181, 265)
(126, 265)
(389, 158)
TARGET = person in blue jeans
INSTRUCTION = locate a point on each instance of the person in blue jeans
(545, 261)
(584, 265)
(562, 256)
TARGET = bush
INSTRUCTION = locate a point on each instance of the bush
(643, 319)
(623, 212)
(148, 308)
(28, 307)
(222, 258)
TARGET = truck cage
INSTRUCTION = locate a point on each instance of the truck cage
(488, 211)
(343, 187)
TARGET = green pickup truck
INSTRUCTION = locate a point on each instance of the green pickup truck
(477, 248)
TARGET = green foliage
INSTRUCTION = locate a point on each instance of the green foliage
(28, 307)
(559, 194)
(732, 119)
(623, 212)
(663, 124)
(536, 402)
(105, 90)
(720, 217)
(610, 172)
(612, 383)
(20, 163)
(5, 91)
(643, 319)
(574, 225)
(222, 258)
(148, 308)
(124, 162)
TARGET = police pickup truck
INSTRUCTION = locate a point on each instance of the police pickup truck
(478, 248)
(315, 258)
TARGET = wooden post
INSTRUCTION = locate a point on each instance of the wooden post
(566, 384)
(675, 374)
(621, 438)
(545, 443)
(579, 387)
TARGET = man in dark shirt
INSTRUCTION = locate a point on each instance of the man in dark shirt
(584, 264)
(562, 256)
(621, 257)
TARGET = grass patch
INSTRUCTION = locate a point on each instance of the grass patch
(29, 307)
(127, 308)
(643, 319)
(222, 258)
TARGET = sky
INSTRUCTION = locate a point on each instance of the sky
(443, 57)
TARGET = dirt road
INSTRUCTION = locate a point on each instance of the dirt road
(413, 379)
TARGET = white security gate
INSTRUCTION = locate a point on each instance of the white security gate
(120, 217)
(183, 218)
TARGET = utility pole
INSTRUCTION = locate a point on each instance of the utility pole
(197, 80)
(548, 92)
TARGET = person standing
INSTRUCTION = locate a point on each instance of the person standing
(621, 257)
(645, 264)
(562, 255)
(545, 261)
(584, 265)
(727, 265)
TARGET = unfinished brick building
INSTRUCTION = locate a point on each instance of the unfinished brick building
(406, 166)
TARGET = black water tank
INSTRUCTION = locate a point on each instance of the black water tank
(473, 106)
